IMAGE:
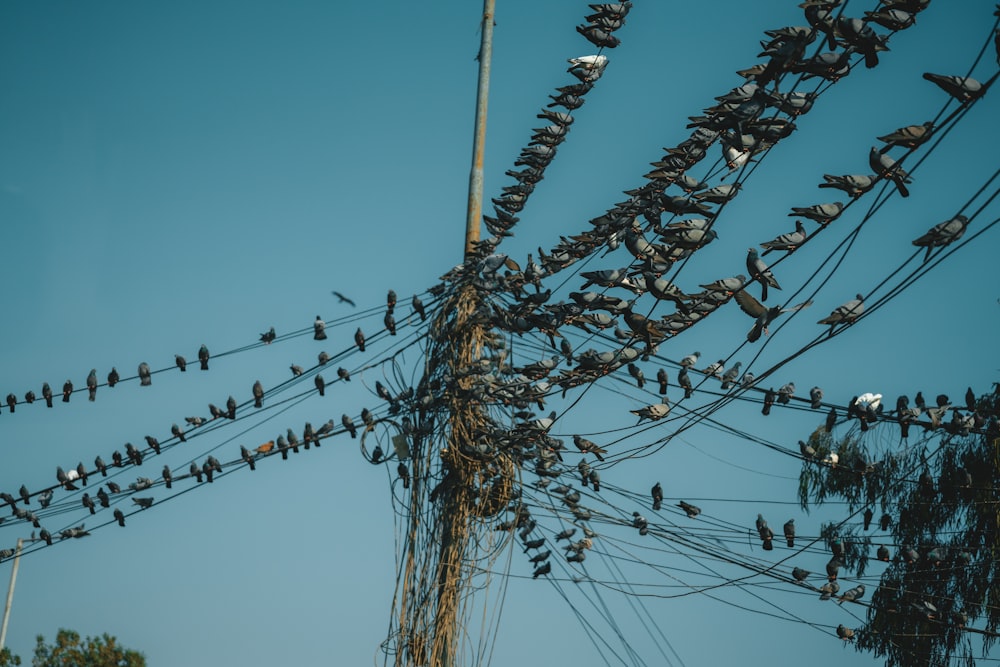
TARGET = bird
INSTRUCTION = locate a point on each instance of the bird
(636, 373)
(652, 412)
(684, 381)
(296, 370)
(45, 497)
(359, 339)
(661, 379)
(320, 384)
(47, 394)
(418, 307)
(544, 568)
(145, 378)
(690, 360)
(319, 329)
(258, 394)
(25, 494)
(852, 594)
(342, 299)
(180, 362)
(231, 408)
(769, 397)
(729, 377)
(715, 369)
(657, 494)
(885, 166)
(854, 185)
(167, 476)
(588, 447)
(786, 392)
(815, 398)
(846, 313)
(910, 136)
(691, 510)
(177, 432)
(845, 632)
(268, 336)
(144, 503)
(823, 214)
(788, 241)
(119, 517)
(942, 234)
(349, 425)
(91, 386)
(759, 272)
(962, 88)
(67, 390)
(390, 323)
(789, 531)
(764, 315)
(203, 357)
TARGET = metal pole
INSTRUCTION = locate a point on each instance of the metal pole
(10, 593)
(475, 208)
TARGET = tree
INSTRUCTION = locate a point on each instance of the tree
(69, 651)
(937, 502)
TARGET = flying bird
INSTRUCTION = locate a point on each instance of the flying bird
(342, 299)
(764, 315)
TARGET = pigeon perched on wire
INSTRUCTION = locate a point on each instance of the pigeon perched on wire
(942, 234)
(203, 357)
(268, 336)
(652, 412)
(145, 375)
(67, 391)
(258, 394)
(91, 386)
(319, 329)
(888, 168)
(962, 88)
(180, 362)
(47, 394)
(684, 381)
(824, 214)
(846, 313)
(854, 185)
(589, 447)
(760, 272)
(359, 340)
(789, 241)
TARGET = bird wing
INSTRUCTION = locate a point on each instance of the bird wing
(748, 304)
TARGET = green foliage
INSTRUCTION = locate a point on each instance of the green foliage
(938, 592)
(7, 658)
(70, 651)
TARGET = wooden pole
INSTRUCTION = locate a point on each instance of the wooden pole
(10, 593)
(475, 208)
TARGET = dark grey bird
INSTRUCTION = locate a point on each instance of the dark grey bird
(788, 242)
(860, 35)
(103, 498)
(769, 397)
(88, 502)
(762, 314)
(119, 517)
(418, 307)
(657, 494)
(389, 321)
(342, 299)
(962, 88)
(540, 556)
(258, 394)
(533, 544)
(231, 407)
(320, 384)
(91, 385)
(786, 392)
(47, 394)
(661, 379)
(765, 533)
(203, 357)
(589, 447)
(854, 185)
(45, 497)
(691, 510)
(684, 381)
(942, 234)
(359, 340)
(25, 494)
(846, 313)
(885, 166)
(145, 376)
(344, 374)
(45, 536)
(144, 503)
(101, 466)
(789, 531)
(167, 477)
(730, 376)
(319, 329)
(760, 272)
(544, 568)
(845, 632)
(637, 374)
(67, 391)
(177, 432)
(815, 398)
(297, 370)
(180, 362)
(268, 336)
(349, 425)
(29, 397)
(799, 574)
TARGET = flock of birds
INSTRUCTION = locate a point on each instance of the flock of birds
(514, 301)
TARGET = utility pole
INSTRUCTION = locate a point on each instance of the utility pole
(10, 593)
(475, 208)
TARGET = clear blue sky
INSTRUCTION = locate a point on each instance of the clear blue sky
(188, 173)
